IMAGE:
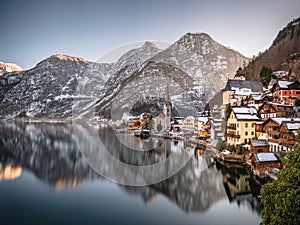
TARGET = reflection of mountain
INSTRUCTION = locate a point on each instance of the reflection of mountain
(50, 152)
(9, 172)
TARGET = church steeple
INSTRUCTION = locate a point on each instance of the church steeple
(167, 109)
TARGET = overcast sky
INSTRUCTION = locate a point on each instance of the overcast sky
(32, 30)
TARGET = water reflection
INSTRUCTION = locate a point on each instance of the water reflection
(9, 172)
(50, 152)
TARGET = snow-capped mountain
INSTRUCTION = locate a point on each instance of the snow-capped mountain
(209, 63)
(189, 72)
(9, 67)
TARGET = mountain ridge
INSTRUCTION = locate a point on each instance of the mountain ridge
(195, 66)
(283, 54)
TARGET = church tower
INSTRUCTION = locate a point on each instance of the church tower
(167, 110)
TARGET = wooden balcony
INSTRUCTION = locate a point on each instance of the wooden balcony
(230, 134)
(282, 141)
(231, 127)
(237, 136)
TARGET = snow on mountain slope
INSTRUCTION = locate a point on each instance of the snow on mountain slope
(9, 67)
(194, 68)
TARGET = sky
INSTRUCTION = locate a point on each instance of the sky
(32, 30)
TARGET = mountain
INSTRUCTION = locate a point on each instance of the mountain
(194, 69)
(9, 67)
(283, 54)
(189, 72)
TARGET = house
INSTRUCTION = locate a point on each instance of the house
(286, 91)
(188, 123)
(273, 109)
(287, 136)
(257, 100)
(176, 123)
(203, 126)
(262, 161)
(240, 125)
(259, 145)
(270, 130)
(242, 87)
(294, 91)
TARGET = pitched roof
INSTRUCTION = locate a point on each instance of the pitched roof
(253, 85)
(259, 142)
(292, 126)
(266, 157)
(284, 83)
(279, 120)
(245, 113)
(244, 110)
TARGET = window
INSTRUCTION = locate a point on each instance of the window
(252, 133)
(252, 125)
(237, 125)
(246, 125)
(297, 92)
(246, 133)
(237, 133)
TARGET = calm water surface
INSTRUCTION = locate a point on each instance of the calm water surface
(44, 179)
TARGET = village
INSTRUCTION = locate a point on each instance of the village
(254, 124)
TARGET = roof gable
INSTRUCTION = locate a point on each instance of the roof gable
(252, 85)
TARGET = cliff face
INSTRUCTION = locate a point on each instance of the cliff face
(284, 54)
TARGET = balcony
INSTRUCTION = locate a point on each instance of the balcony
(231, 127)
(230, 135)
(237, 136)
(282, 141)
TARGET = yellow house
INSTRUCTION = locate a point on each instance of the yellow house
(240, 125)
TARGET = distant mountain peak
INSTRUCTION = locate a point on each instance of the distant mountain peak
(69, 58)
(9, 67)
(150, 44)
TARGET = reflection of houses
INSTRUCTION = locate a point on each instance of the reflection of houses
(203, 126)
(240, 89)
(259, 145)
(236, 181)
(262, 161)
(272, 109)
(240, 125)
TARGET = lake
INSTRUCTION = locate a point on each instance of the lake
(54, 174)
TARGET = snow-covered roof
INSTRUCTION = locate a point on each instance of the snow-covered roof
(243, 92)
(244, 110)
(278, 104)
(292, 126)
(266, 156)
(247, 117)
(238, 84)
(279, 120)
(284, 83)
(259, 142)
(258, 97)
